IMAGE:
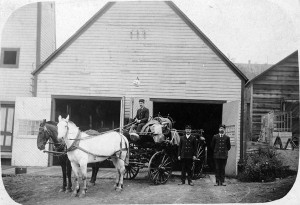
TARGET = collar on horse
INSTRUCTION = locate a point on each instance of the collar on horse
(75, 143)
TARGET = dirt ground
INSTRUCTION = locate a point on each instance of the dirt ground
(27, 189)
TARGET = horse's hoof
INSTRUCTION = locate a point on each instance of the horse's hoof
(62, 190)
(68, 190)
(92, 183)
(74, 194)
(118, 189)
(82, 195)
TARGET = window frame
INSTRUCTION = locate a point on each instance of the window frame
(2, 65)
(4, 132)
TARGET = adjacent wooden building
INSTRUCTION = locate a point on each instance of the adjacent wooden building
(28, 38)
(181, 73)
(276, 89)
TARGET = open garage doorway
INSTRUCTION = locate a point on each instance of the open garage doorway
(100, 115)
(199, 115)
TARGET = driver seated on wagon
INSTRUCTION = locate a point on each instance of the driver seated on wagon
(141, 117)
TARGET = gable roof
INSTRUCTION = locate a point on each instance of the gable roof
(274, 66)
(251, 70)
(174, 8)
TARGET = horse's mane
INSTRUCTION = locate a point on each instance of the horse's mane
(51, 123)
(72, 123)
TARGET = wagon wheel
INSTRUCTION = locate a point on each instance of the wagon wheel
(131, 171)
(160, 168)
(198, 164)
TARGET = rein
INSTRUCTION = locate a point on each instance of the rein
(101, 133)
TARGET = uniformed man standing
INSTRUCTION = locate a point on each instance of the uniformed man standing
(220, 145)
(186, 154)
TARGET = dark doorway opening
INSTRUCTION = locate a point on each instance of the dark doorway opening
(100, 115)
(90, 114)
(199, 115)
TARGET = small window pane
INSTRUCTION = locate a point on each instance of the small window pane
(29, 127)
(8, 140)
(10, 118)
(1, 140)
(10, 57)
(3, 115)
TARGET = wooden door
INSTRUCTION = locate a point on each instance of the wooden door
(231, 118)
(29, 113)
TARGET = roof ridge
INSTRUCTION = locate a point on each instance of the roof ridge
(273, 66)
(174, 7)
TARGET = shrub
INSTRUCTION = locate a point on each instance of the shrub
(263, 165)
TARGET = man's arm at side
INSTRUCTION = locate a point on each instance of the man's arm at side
(213, 142)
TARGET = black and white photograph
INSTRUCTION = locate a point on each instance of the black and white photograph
(149, 102)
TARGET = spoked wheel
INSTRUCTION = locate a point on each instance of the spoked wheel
(198, 165)
(131, 171)
(160, 168)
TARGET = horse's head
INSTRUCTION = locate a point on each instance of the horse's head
(62, 127)
(43, 136)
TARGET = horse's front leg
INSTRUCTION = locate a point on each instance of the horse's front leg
(63, 169)
(83, 168)
(69, 175)
(75, 168)
(95, 168)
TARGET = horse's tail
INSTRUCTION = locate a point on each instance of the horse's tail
(127, 153)
(126, 143)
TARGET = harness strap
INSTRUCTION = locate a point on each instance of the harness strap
(96, 155)
(75, 143)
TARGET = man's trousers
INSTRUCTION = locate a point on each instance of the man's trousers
(220, 165)
(186, 167)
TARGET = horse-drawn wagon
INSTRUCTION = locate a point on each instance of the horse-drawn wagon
(156, 148)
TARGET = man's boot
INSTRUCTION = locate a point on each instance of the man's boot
(217, 183)
(191, 183)
(182, 183)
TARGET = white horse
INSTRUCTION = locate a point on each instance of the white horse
(84, 149)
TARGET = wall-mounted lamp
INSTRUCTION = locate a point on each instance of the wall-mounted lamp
(136, 82)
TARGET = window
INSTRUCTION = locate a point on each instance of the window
(29, 127)
(6, 134)
(10, 57)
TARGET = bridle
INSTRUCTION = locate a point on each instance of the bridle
(60, 145)
(75, 142)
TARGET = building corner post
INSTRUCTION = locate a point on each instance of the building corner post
(38, 46)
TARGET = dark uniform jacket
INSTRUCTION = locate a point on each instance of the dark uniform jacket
(220, 146)
(187, 147)
(142, 114)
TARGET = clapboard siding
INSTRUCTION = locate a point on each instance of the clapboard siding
(169, 58)
(279, 83)
(20, 31)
